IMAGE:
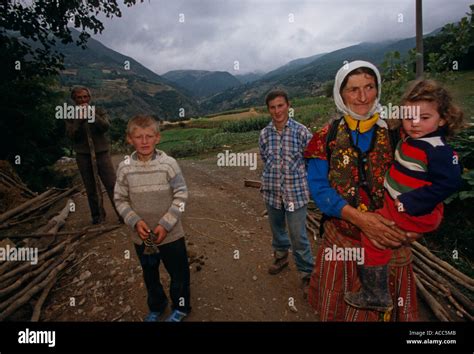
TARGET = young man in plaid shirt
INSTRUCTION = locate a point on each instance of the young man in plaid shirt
(284, 185)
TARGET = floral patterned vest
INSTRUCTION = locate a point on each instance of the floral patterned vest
(359, 177)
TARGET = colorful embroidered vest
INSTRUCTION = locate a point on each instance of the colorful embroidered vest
(359, 177)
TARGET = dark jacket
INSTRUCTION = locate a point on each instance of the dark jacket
(75, 130)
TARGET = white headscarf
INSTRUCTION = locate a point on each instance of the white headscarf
(341, 75)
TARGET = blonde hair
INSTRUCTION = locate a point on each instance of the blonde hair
(142, 121)
(432, 91)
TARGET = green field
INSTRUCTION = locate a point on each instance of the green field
(237, 130)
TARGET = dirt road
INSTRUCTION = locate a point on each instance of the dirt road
(229, 244)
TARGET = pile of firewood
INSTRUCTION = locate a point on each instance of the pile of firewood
(20, 283)
(33, 208)
(440, 285)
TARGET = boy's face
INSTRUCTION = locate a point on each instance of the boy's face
(278, 108)
(143, 140)
(428, 122)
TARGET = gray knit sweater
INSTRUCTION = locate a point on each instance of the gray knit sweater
(154, 191)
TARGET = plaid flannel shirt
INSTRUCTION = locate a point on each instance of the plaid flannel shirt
(284, 177)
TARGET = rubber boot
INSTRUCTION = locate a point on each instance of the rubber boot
(374, 293)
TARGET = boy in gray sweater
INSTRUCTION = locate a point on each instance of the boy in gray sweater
(150, 194)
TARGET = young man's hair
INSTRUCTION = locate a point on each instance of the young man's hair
(274, 94)
(76, 89)
(361, 70)
(432, 91)
(142, 121)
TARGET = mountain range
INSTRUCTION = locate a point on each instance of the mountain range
(125, 87)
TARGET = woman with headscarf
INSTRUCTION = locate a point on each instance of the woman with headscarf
(347, 162)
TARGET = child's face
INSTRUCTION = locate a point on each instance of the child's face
(143, 140)
(428, 121)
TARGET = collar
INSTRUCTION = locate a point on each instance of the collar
(155, 155)
(440, 132)
(289, 123)
(364, 125)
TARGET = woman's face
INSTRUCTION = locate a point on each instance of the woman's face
(360, 93)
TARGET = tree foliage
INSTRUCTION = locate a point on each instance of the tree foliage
(29, 65)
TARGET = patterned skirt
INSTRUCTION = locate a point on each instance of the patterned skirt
(331, 279)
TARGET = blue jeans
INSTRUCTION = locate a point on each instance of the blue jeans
(298, 239)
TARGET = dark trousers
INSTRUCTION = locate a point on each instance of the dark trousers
(106, 174)
(175, 260)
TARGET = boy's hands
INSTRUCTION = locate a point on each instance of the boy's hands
(161, 233)
(142, 229)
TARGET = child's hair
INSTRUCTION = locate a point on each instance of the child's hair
(142, 121)
(432, 91)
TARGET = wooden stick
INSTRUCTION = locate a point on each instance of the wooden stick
(18, 185)
(39, 304)
(431, 286)
(39, 278)
(25, 297)
(65, 233)
(25, 277)
(23, 267)
(440, 269)
(95, 172)
(436, 284)
(8, 214)
(448, 268)
(8, 225)
(460, 308)
(435, 306)
(49, 202)
(252, 183)
(468, 304)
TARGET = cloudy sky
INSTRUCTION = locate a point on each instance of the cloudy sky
(261, 35)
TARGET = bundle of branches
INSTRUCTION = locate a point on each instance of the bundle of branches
(19, 284)
(33, 207)
(11, 181)
(441, 286)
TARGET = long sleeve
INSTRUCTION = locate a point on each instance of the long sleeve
(180, 196)
(445, 177)
(102, 121)
(74, 128)
(122, 199)
(325, 197)
(262, 148)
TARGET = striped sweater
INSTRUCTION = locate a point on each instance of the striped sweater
(425, 172)
(154, 191)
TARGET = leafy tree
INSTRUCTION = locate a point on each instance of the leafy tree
(29, 66)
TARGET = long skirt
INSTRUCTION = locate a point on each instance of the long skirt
(331, 279)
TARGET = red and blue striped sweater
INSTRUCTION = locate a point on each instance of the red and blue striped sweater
(424, 173)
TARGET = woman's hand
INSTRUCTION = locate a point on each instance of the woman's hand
(382, 232)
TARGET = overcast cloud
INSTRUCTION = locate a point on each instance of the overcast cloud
(259, 34)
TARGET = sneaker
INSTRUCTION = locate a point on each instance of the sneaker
(176, 316)
(278, 264)
(152, 317)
